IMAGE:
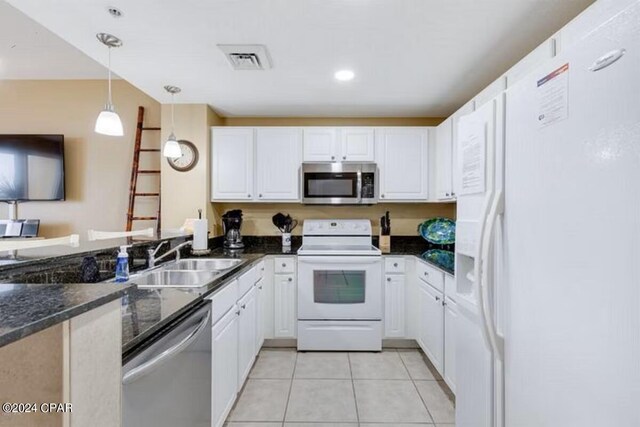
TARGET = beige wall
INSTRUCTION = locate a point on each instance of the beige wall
(98, 167)
(183, 193)
(405, 217)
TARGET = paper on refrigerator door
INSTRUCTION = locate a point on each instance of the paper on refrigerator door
(472, 155)
(553, 96)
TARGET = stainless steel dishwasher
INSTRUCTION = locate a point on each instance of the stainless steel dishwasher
(169, 383)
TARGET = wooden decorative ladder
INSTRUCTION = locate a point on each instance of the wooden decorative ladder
(136, 171)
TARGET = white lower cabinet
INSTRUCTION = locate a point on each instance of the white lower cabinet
(246, 335)
(285, 313)
(431, 330)
(394, 305)
(224, 354)
(450, 317)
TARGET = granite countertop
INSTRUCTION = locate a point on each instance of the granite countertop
(27, 309)
(147, 311)
(34, 256)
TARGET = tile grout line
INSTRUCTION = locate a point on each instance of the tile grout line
(413, 381)
(293, 375)
(353, 388)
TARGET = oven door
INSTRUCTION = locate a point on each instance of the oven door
(339, 288)
(331, 187)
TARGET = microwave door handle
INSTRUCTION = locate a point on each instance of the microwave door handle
(359, 186)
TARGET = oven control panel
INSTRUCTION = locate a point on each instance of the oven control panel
(342, 227)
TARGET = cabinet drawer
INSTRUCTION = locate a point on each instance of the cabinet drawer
(259, 271)
(393, 265)
(431, 275)
(246, 281)
(223, 300)
(284, 265)
(450, 286)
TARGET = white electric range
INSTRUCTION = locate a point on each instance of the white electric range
(339, 287)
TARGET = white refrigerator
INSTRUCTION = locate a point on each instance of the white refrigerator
(548, 246)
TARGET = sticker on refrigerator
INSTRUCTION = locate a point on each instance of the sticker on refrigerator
(553, 101)
(472, 144)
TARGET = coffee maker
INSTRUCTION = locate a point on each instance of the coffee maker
(231, 223)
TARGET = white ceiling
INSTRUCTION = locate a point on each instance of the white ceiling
(30, 51)
(411, 57)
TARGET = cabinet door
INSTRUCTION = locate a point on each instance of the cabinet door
(278, 162)
(246, 335)
(357, 145)
(260, 309)
(320, 144)
(232, 164)
(450, 316)
(394, 312)
(404, 161)
(444, 165)
(432, 323)
(224, 360)
(285, 317)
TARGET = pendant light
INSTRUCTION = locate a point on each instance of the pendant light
(108, 122)
(171, 147)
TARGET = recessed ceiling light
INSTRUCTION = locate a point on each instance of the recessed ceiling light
(344, 75)
(115, 12)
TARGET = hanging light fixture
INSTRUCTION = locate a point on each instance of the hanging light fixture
(108, 122)
(171, 147)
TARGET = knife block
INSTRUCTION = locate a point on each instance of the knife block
(385, 244)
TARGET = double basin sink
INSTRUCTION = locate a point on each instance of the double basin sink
(186, 273)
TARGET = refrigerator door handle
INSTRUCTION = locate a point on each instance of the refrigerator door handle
(495, 340)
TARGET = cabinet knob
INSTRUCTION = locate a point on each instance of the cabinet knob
(344, 157)
(437, 298)
(444, 303)
(249, 195)
(426, 273)
(382, 195)
(290, 279)
(259, 287)
(453, 194)
(388, 279)
(260, 195)
(244, 306)
(333, 157)
(395, 264)
(284, 265)
(238, 313)
(447, 194)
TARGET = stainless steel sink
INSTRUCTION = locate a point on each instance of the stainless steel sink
(208, 264)
(174, 279)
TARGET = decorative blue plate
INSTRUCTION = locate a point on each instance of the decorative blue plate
(440, 231)
(440, 257)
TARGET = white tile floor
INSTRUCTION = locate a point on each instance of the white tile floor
(394, 388)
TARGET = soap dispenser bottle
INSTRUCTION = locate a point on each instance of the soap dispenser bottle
(122, 265)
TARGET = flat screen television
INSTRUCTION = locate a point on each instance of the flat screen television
(31, 167)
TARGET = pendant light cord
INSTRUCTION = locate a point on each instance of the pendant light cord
(109, 62)
(172, 122)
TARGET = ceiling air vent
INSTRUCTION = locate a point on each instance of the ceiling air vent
(246, 56)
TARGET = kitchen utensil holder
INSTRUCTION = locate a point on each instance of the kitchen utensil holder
(385, 244)
(286, 239)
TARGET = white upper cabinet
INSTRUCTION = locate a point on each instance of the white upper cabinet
(403, 160)
(320, 144)
(357, 145)
(348, 144)
(232, 163)
(444, 160)
(468, 108)
(278, 158)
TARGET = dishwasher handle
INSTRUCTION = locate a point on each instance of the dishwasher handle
(168, 354)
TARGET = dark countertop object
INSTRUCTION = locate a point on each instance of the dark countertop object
(27, 309)
(149, 311)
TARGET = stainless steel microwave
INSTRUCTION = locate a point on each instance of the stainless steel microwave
(339, 183)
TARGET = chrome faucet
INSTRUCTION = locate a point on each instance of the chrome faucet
(152, 252)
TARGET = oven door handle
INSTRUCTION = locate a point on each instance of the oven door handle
(338, 260)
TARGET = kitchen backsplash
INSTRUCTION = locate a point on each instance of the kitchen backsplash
(405, 217)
